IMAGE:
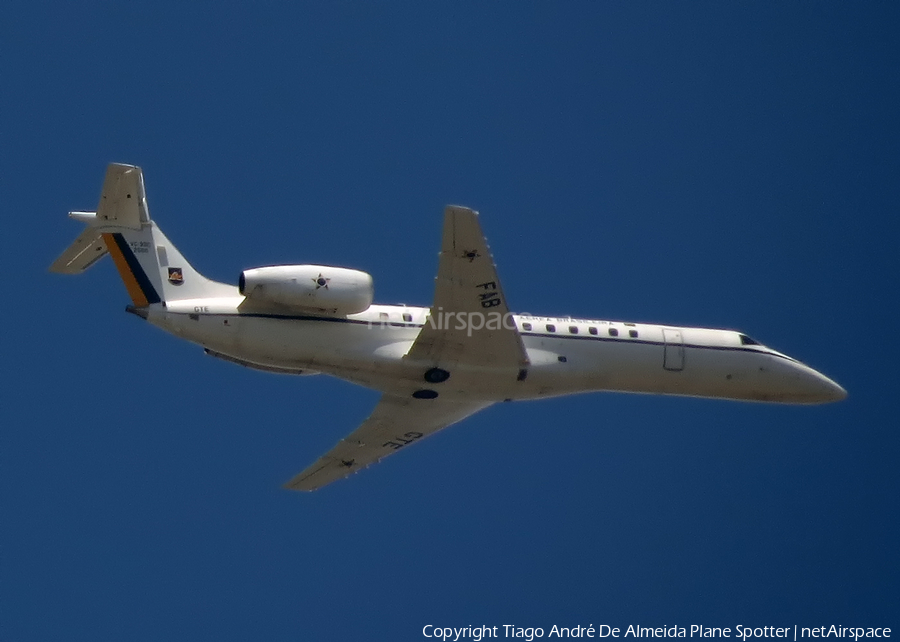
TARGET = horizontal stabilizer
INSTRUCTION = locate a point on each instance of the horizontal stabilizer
(85, 250)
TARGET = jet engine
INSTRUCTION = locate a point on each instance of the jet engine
(319, 289)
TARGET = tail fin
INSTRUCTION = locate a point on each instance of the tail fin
(152, 269)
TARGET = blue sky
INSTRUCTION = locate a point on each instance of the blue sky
(713, 164)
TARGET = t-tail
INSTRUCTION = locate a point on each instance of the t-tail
(153, 269)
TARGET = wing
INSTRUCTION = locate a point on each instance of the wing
(468, 293)
(470, 324)
(396, 422)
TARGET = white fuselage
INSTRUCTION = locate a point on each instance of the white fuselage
(434, 366)
(566, 355)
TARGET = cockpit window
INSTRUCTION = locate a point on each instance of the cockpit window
(747, 341)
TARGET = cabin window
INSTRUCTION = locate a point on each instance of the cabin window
(526, 326)
(382, 316)
(747, 341)
(551, 327)
(633, 334)
(407, 317)
(613, 332)
(573, 329)
(592, 330)
(561, 359)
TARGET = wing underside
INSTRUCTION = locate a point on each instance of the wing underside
(470, 322)
(469, 326)
(395, 423)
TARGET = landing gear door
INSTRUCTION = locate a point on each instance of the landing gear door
(673, 357)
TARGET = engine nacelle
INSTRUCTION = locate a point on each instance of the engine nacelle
(320, 289)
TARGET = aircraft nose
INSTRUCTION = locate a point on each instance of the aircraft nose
(798, 383)
(833, 391)
(821, 389)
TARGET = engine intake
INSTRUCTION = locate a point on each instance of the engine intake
(320, 289)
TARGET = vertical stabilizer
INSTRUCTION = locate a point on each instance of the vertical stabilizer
(123, 202)
(152, 268)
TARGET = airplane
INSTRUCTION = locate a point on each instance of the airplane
(433, 366)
